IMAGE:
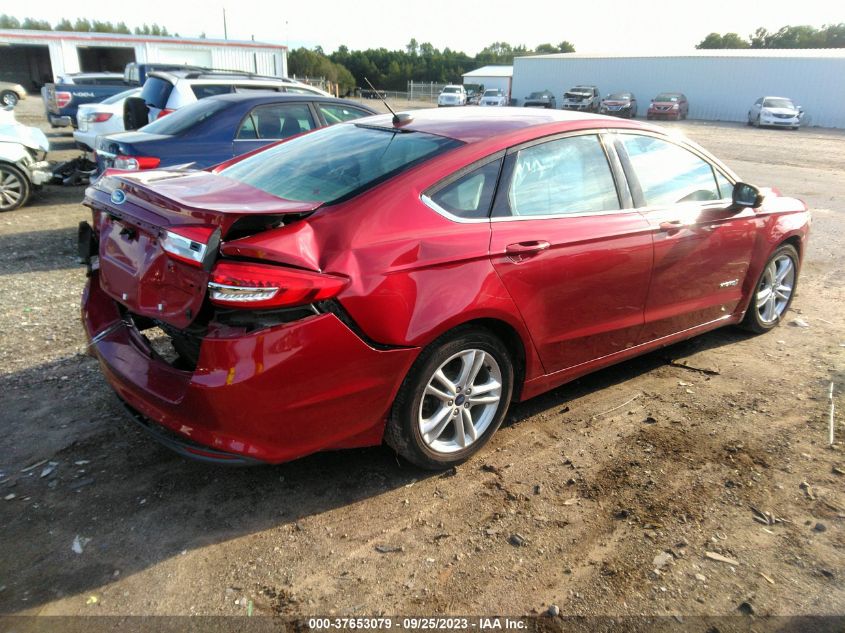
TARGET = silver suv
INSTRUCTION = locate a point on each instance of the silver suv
(165, 92)
(583, 98)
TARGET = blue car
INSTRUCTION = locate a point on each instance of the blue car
(215, 129)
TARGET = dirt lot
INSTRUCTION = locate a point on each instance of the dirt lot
(617, 485)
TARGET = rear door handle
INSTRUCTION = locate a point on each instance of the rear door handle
(527, 249)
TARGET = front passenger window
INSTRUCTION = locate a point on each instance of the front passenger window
(669, 174)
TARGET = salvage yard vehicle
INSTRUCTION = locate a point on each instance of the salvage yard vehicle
(542, 99)
(166, 92)
(493, 97)
(216, 129)
(668, 105)
(620, 104)
(775, 112)
(582, 98)
(23, 161)
(63, 98)
(97, 119)
(404, 279)
(452, 96)
(11, 93)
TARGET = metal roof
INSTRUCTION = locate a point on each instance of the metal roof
(714, 52)
(93, 36)
(490, 71)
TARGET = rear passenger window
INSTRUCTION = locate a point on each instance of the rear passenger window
(471, 195)
(569, 175)
(334, 113)
(274, 122)
(667, 173)
(156, 92)
(203, 91)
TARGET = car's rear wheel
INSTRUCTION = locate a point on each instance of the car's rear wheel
(15, 188)
(8, 98)
(774, 291)
(452, 401)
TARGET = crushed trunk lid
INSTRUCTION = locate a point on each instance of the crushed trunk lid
(159, 234)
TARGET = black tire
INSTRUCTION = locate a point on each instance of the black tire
(753, 322)
(403, 433)
(13, 180)
(9, 98)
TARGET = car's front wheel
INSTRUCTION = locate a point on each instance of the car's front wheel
(452, 401)
(15, 188)
(774, 291)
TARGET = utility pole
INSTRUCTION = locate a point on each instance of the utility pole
(225, 30)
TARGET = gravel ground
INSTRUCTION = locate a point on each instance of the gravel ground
(614, 495)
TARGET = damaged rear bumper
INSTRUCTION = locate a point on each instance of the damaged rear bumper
(271, 395)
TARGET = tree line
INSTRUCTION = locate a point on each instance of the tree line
(392, 70)
(828, 36)
(81, 25)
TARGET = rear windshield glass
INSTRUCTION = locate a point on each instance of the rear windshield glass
(185, 118)
(491, 93)
(449, 89)
(336, 162)
(666, 97)
(156, 91)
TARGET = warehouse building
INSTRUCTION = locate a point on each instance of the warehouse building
(491, 77)
(721, 85)
(33, 58)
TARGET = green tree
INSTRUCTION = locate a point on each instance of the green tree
(36, 25)
(728, 40)
(9, 22)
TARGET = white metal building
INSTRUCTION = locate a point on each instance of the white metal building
(721, 85)
(491, 77)
(33, 58)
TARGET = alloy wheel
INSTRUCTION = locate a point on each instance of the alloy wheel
(12, 189)
(460, 401)
(775, 289)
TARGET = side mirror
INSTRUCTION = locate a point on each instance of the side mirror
(745, 195)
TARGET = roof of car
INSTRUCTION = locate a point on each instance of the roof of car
(261, 96)
(476, 124)
(173, 75)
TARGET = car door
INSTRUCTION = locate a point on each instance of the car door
(702, 244)
(574, 256)
(272, 122)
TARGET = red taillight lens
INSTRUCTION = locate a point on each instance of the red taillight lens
(63, 99)
(241, 284)
(188, 244)
(164, 112)
(99, 117)
(136, 162)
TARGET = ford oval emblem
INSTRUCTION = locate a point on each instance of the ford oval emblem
(118, 197)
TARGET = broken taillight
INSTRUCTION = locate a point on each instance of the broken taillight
(63, 99)
(244, 284)
(189, 244)
(135, 163)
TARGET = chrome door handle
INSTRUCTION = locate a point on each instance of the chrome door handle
(673, 225)
(527, 248)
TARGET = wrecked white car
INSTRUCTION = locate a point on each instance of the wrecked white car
(23, 164)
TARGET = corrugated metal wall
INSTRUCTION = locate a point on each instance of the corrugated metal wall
(718, 88)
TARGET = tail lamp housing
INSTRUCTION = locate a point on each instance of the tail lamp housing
(251, 285)
(135, 163)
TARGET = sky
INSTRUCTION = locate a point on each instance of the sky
(609, 26)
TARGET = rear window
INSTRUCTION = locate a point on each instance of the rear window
(202, 91)
(185, 118)
(336, 162)
(156, 92)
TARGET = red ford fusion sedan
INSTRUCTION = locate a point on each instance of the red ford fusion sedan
(404, 279)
